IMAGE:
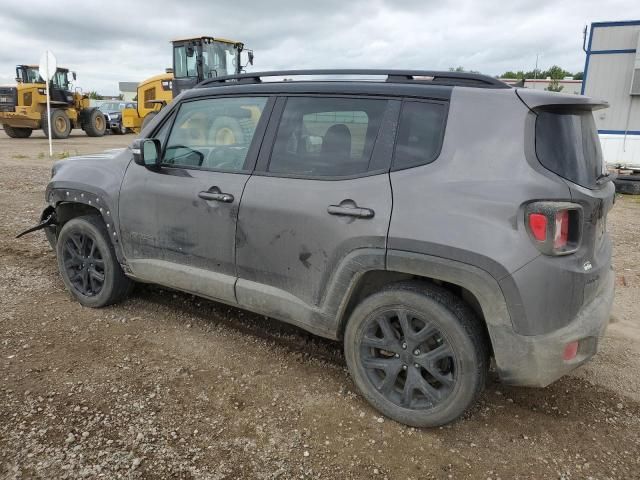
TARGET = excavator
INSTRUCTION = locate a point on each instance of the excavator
(23, 107)
(194, 60)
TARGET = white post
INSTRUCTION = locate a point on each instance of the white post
(49, 106)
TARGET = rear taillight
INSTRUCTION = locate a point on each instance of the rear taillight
(554, 227)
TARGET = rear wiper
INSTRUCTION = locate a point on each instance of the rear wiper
(603, 177)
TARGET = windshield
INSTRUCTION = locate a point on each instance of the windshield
(219, 59)
(112, 106)
(31, 75)
(60, 80)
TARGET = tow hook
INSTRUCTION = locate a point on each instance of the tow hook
(49, 220)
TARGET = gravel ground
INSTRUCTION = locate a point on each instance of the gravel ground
(167, 385)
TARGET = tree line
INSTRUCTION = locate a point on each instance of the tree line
(555, 73)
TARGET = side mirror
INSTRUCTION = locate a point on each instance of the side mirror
(73, 74)
(146, 152)
(250, 54)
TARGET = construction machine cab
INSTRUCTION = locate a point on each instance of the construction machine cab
(60, 84)
(197, 59)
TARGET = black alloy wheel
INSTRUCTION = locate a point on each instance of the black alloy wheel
(408, 359)
(84, 264)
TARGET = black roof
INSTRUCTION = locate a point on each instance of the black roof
(437, 92)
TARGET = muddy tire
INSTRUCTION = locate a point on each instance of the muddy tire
(148, 117)
(629, 184)
(88, 265)
(60, 124)
(120, 129)
(94, 123)
(17, 132)
(417, 353)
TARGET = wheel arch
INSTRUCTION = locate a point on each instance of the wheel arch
(476, 287)
(72, 203)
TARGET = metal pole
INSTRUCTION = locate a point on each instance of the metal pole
(48, 105)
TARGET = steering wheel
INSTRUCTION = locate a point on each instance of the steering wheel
(189, 151)
(218, 158)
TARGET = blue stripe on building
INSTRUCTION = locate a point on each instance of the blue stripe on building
(619, 132)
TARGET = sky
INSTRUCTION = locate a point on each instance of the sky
(110, 41)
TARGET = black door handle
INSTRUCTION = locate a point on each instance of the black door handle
(350, 211)
(217, 196)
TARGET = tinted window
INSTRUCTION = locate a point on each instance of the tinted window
(567, 143)
(214, 133)
(326, 136)
(420, 134)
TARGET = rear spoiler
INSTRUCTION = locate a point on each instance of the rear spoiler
(534, 99)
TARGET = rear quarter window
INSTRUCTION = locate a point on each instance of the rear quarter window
(567, 143)
(420, 134)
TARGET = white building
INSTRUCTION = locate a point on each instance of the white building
(129, 90)
(612, 73)
(568, 84)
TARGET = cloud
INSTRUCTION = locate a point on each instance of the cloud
(107, 42)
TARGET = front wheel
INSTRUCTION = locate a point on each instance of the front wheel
(17, 132)
(60, 124)
(417, 353)
(94, 123)
(88, 263)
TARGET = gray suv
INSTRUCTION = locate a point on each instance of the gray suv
(430, 221)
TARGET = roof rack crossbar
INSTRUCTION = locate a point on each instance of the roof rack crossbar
(392, 76)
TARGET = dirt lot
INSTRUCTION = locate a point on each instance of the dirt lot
(170, 386)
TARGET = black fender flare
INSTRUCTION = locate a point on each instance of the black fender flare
(480, 283)
(59, 196)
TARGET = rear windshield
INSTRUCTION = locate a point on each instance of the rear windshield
(567, 143)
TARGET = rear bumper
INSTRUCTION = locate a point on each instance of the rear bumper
(537, 360)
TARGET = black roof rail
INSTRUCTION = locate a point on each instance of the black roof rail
(429, 77)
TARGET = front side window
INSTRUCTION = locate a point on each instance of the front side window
(420, 134)
(214, 133)
(326, 136)
(185, 62)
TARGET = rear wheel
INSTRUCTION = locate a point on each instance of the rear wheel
(88, 263)
(17, 132)
(416, 353)
(60, 124)
(94, 123)
(148, 117)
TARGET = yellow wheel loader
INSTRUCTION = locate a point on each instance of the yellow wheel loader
(23, 108)
(194, 60)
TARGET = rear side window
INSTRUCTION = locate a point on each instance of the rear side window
(326, 136)
(567, 143)
(420, 134)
